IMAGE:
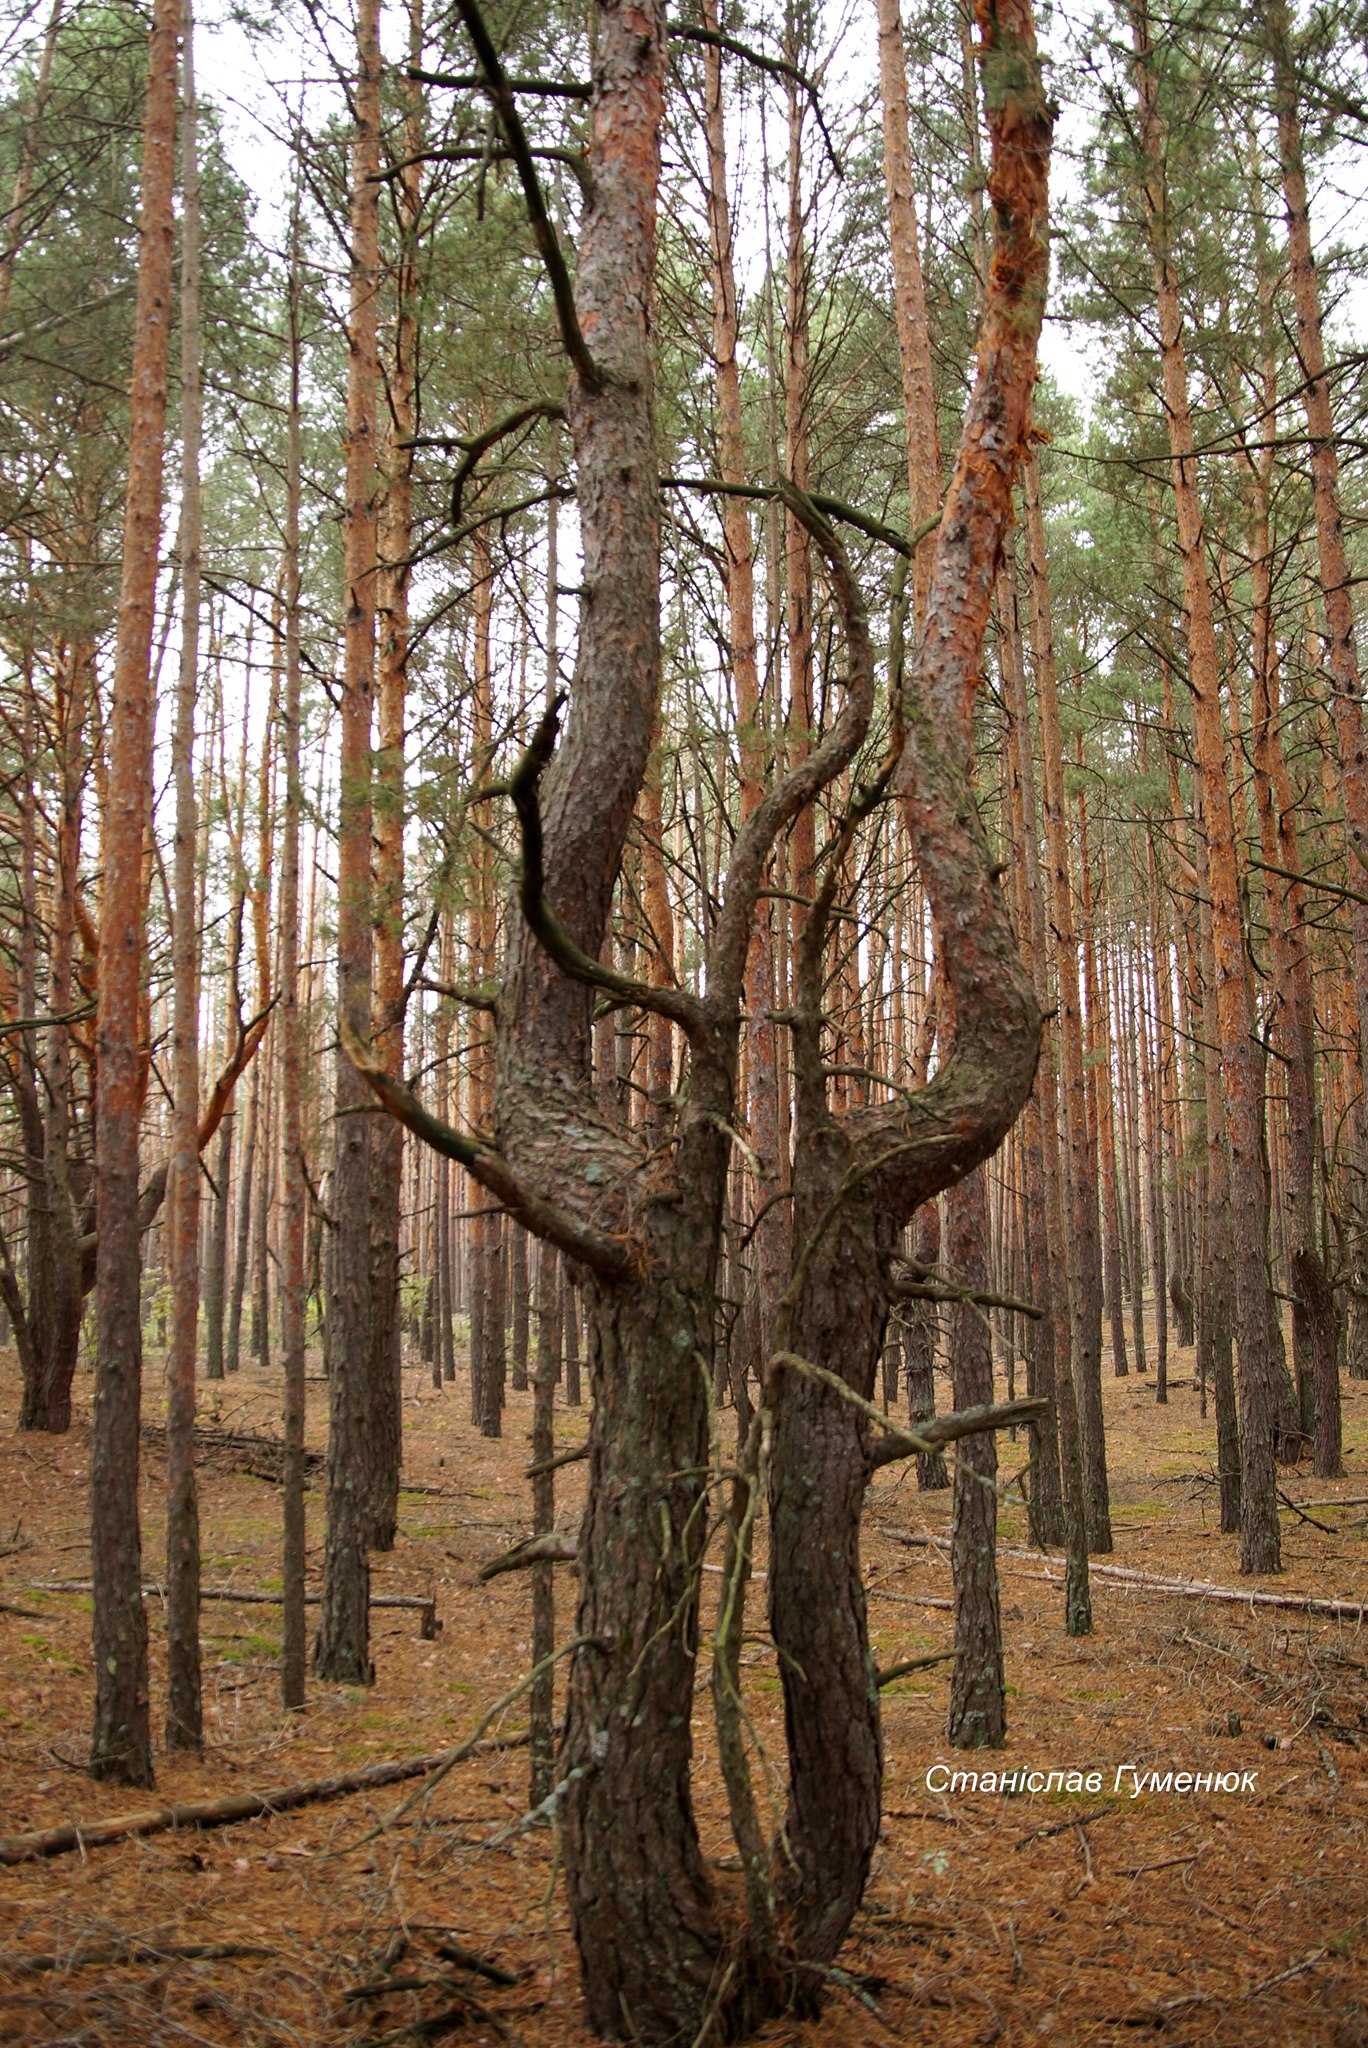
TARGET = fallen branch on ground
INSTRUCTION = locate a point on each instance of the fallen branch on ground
(1153, 1582)
(883, 1678)
(131, 1952)
(1061, 1827)
(252, 1451)
(217, 1813)
(424, 1604)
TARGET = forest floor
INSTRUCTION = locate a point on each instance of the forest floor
(1237, 1918)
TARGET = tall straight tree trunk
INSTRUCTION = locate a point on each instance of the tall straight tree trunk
(797, 550)
(392, 598)
(1336, 582)
(920, 1337)
(487, 1300)
(1048, 1339)
(295, 1192)
(342, 1651)
(1315, 1334)
(1039, 1143)
(1346, 696)
(1215, 1337)
(1257, 1333)
(216, 1257)
(1102, 1055)
(978, 1705)
(183, 1710)
(541, 1705)
(1155, 1056)
(237, 1292)
(909, 300)
(121, 1748)
(1077, 1165)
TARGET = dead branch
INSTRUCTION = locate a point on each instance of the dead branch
(552, 1546)
(1061, 1827)
(591, 1247)
(500, 92)
(19, 1965)
(572, 1457)
(225, 1812)
(1153, 1582)
(255, 1452)
(883, 1678)
(251, 1596)
(677, 1004)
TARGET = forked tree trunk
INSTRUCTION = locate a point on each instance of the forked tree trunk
(645, 1228)
(121, 1748)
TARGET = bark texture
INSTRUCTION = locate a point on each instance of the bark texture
(121, 1748)
(342, 1651)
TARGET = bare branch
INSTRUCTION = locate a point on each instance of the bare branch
(604, 1254)
(552, 1546)
(929, 1436)
(548, 243)
(776, 67)
(750, 850)
(675, 1003)
(947, 1429)
(534, 88)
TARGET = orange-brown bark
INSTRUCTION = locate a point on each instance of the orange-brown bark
(121, 1746)
(342, 1649)
(1257, 1333)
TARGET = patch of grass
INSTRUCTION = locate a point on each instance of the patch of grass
(50, 1654)
(248, 1649)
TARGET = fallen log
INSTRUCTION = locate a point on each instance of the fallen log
(424, 1604)
(1154, 1582)
(237, 1806)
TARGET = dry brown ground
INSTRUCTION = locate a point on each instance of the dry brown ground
(1239, 1920)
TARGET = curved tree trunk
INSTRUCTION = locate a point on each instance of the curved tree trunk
(859, 1178)
(818, 1473)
